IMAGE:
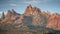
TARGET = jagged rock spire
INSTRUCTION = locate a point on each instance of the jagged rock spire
(28, 10)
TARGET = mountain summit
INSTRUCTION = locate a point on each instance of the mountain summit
(31, 10)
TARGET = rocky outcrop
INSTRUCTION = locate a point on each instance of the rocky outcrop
(31, 10)
(11, 16)
(54, 21)
(46, 14)
(28, 10)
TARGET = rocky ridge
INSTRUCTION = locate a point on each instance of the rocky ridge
(33, 17)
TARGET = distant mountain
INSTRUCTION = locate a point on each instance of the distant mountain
(32, 18)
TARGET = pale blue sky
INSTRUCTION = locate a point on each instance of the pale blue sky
(20, 5)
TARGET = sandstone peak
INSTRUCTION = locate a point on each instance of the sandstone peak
(31, 10)
(29, 7)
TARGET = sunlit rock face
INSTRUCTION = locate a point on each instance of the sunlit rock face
(28, 10)
(54, 21)
(31, 10)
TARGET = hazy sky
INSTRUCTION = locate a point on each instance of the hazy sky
(20, 5)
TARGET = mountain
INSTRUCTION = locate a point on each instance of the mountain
(54, 21)
(32, 18)
(31, 10)
(36, 14)
(10, 16)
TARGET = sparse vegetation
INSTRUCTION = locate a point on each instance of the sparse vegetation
(28, 32)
